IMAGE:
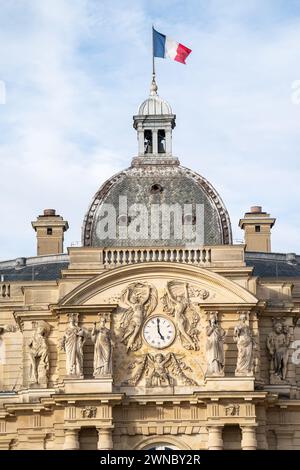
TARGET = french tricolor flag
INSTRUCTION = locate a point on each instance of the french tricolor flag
(163, 46)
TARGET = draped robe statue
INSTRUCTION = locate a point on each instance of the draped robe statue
(278, 342)
(245, 345)
(39, 355)
(72, 343)
(101, 337)
(214, 347)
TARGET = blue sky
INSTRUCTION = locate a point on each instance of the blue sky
(76, 71)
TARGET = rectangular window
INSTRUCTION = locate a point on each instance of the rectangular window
(49, 231)
(161, 141)
(148, 141)
(257, 228)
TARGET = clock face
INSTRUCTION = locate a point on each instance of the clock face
(159, 332)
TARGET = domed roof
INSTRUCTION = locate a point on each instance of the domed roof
(154, 105)
(144, 187)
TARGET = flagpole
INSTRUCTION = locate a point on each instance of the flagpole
(153, 61)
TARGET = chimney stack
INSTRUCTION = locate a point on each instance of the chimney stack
(257, 227)
(50, 230)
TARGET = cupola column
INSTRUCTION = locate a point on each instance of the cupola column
(154, 123)
(168, 142)
(141, 141)
(154, 142)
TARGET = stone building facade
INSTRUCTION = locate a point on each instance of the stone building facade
(158, 332)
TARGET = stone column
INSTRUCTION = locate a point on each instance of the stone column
(105, 441)
(71, 439)
(154, 142)
(141, 142)
(215, 439)
(249, 441)
(168, 142)
(5, 443)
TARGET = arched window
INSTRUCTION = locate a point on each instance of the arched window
(161, 141)
(161, 446)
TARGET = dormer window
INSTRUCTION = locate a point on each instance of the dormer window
(148, 144)
(161, 141)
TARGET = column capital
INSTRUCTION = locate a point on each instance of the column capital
(249, 441)
(71, 438)
(105, 440)
(215, 439)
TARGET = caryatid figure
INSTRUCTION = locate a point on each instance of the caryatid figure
(101, 337)
(245, 346)
(72, 343)
(214, 347)
(39, 355)
(278, 342)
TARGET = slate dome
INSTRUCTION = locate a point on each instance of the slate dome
(155, 184)
(155, 181)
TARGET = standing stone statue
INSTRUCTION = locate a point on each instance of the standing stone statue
(178, 305)
(140, 299)
(101, 337)
(72, 343)
(214, 347)
(39, 355)
(278, 347)
(245, 346)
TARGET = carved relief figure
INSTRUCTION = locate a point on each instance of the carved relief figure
(101, 337)
(278, 347)
(141, 299)
(214, 346)
(159, 375)
(89, 412)
(72, 343)
(160, 370)
(201, 294)
(176, 302)
(39, 355)
(232, 410)
(245, 345)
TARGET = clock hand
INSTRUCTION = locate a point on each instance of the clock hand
(158, 329)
